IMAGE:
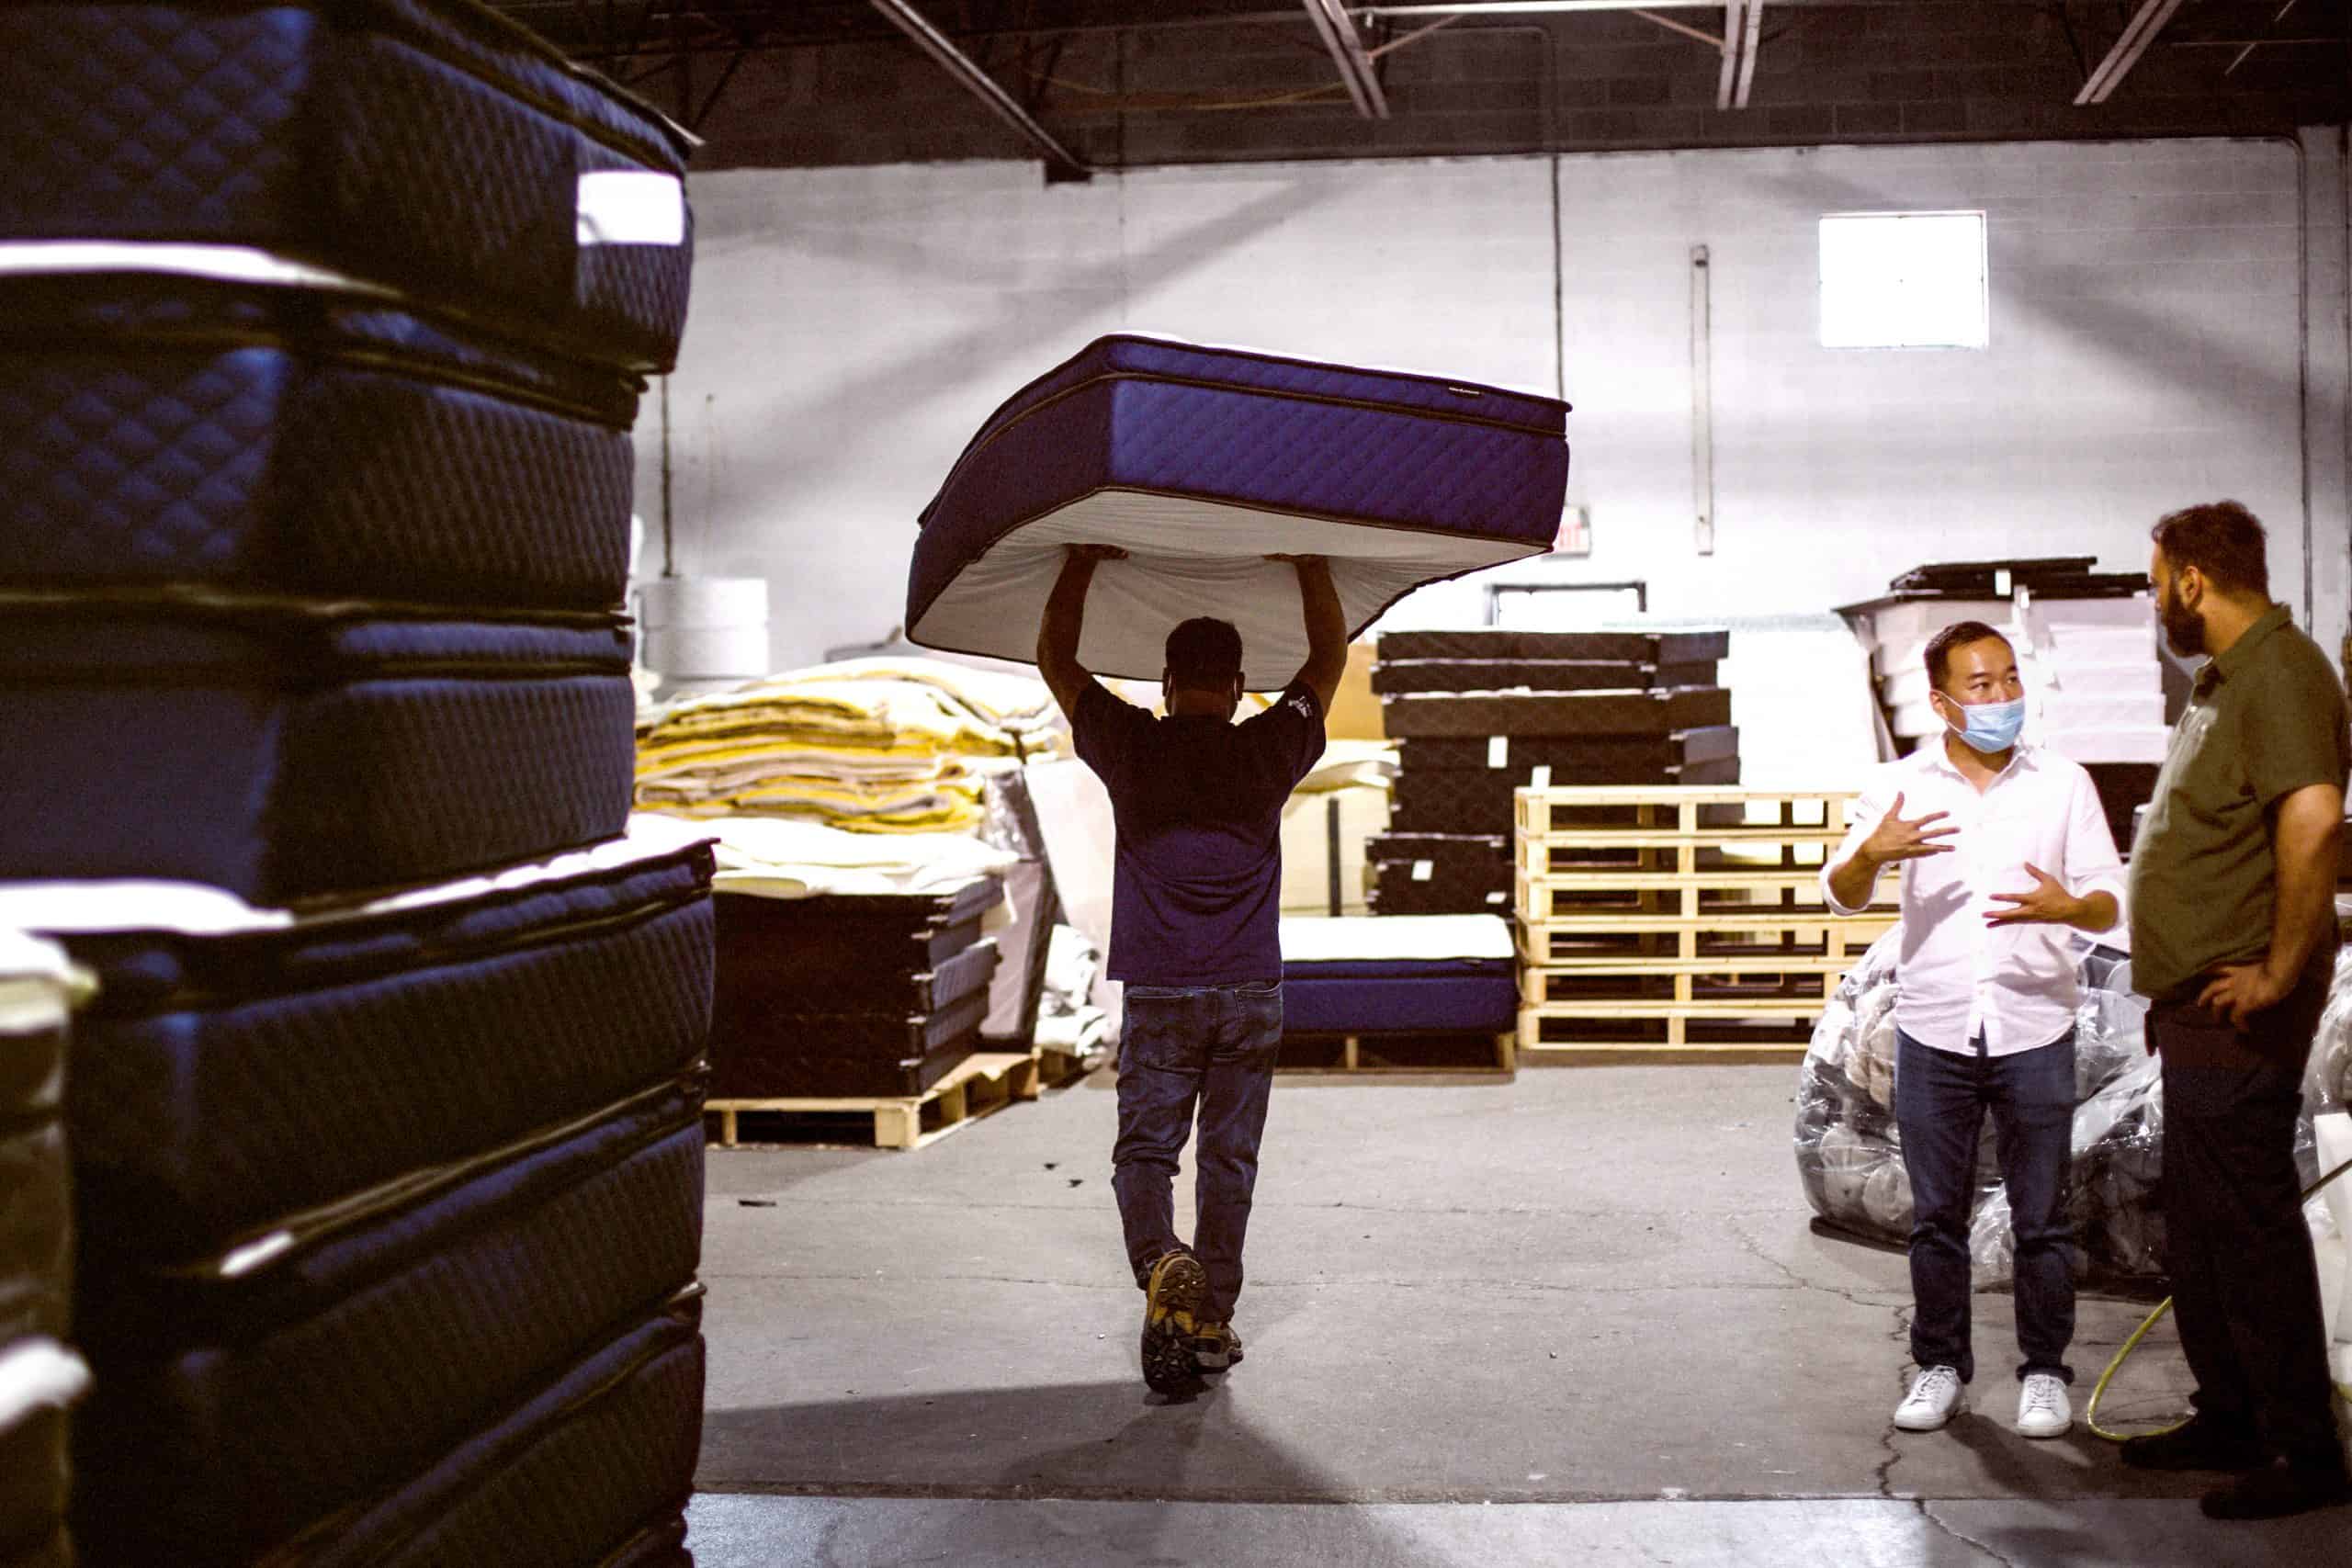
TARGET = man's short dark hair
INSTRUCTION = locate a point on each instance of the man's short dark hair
(1205, 652)
(2221, 540)
(1958, 635)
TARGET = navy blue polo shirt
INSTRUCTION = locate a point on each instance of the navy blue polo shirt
(1196, 893)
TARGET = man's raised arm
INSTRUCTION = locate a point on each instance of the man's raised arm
(1326, 628)
(1058, 634)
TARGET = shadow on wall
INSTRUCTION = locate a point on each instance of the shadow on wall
(989, 357)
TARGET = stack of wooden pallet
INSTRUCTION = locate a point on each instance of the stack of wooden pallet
(1662, 922)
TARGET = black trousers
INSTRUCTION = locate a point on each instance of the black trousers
(2246, 1289)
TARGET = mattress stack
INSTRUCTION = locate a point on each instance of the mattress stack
(851, 996)
(318, 365)
(1478, 715)
(1372, 983)
(41, 1377)
(2086, 649)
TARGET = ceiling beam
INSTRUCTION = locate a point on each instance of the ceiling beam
(1060, 161)
(1338, 32)
(1743, 31)
(2138, 34)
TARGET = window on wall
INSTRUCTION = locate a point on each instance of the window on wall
(1903, 280)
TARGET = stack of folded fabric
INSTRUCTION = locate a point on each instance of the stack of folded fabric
(872, 745)
(1479, 714)
(41, 1377)
(315, 412)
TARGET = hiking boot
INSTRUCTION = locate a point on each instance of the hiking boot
(2203, 1444)
(1937, 1393)
(1216, 1347)
(1171, 1305)
(2276, 1490)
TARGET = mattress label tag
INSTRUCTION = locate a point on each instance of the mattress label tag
(1499, 751)
(631, 206)
(1496, 897)
(1423, 869)
(1539, 778)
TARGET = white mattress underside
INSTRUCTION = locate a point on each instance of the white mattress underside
(1323, 939)
(194, 908)
(1188, 557)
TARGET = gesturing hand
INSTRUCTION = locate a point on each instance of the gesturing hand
(2048, 904)
(1896, 840)
(2240, 990)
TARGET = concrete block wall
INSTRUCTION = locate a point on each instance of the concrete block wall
(852, 327)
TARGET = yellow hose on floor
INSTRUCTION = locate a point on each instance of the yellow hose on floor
(2090, 1413)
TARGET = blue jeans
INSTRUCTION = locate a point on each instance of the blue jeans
(1183, 1048)
(1941, 1101)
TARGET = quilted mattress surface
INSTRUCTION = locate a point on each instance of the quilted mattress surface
(1201, 462)
(1658, 712)
(592, 1464)
(428, 144)
(286, 752)
(1420, 1003)
(1583, 759)
(160, 428)
(1605, 648)
(236, 1405)
(1398, 677)
(225, 1078)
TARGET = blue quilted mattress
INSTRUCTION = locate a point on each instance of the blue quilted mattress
(1420, 975)
(244, 1398)
(426, 144)
(1201, 462)
(286, 752)
(594, 1468)
(239, 1066)
(160, 428)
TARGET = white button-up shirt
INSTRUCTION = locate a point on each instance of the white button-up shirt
(1959, 975)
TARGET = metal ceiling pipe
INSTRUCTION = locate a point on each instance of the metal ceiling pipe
(1339, 34)
(1060, 161)
(2138, 34)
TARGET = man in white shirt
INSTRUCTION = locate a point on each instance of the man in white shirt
(1984, 1023)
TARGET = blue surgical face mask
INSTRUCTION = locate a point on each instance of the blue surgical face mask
(1992, 727)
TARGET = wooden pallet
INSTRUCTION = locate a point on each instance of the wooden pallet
(1555, 1033)
(1619, 983)
(1685, 812)
(1579, 937)
(1359, 1056)
(977, 1087)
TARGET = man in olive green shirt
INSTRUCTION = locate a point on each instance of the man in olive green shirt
(2232, 902)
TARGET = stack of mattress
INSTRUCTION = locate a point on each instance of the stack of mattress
(851, 996)
(2086, 649)
(323, 330)
(362, 1189)
(1431, 975)
(41, 1377)
(1479, 714)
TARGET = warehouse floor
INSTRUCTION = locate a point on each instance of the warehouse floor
(1591, 1298)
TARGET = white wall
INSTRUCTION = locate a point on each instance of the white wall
(852, 327)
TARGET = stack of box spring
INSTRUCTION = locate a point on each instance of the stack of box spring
(323, 330)
(851, 996)
(1479, 714)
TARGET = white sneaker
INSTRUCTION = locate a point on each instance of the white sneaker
(1937, 1395)
(2043, 1409)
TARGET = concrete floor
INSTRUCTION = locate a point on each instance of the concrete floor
(1589, 1299)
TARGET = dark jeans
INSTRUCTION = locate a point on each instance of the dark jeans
(1210, 1047)
(2245, 1291)
(1941, 1101)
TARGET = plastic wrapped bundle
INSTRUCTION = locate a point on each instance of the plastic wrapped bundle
(2328, 1086)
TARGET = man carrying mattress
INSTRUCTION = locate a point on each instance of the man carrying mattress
(1194, 936)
